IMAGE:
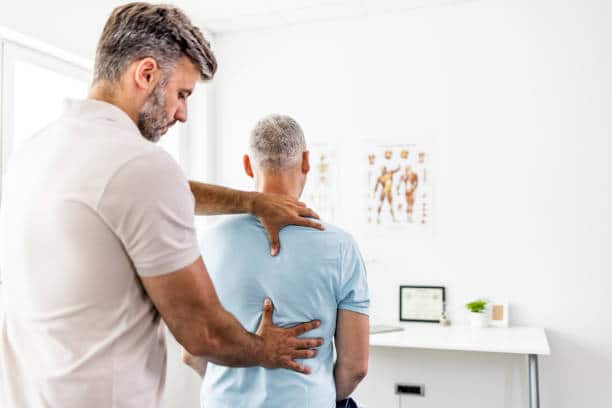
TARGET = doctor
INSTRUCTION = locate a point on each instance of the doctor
(98, 239)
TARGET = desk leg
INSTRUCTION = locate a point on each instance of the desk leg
(534, 383)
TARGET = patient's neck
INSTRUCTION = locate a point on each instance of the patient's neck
(279, 183)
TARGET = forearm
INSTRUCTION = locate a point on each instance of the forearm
(346, 380)
(214, 200)
(220, 339)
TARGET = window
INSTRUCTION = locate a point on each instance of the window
(34, 86)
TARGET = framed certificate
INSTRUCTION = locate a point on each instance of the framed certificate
(421, 303)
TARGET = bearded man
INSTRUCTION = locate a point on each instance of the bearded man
(98, 238)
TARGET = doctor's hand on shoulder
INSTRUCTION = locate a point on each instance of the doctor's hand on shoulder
(276, 211)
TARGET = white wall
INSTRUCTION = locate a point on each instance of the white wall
(515, 97)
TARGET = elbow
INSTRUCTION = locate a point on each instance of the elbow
(355, 373)
(193, 348)
(359, 373)
(207, 340)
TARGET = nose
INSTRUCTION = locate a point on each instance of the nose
(181, 113)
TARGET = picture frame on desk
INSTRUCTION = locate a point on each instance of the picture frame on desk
(499, 314)
(423, 304)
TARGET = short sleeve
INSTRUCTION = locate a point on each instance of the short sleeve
(150, 208)
(353, 291)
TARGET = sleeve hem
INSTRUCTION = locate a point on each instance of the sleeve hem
(169, 265)
(365, 310)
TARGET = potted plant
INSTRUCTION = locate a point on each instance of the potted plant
(478, 313)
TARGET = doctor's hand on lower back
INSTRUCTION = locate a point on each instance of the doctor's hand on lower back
(198, 364)
(276, 211)
(281, 345)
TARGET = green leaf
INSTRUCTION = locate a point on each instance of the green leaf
(477, 306)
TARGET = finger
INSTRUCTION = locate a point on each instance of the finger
(292, 365)
(308, 212)
(304, 344)
(186, 357)
(303, 354)
(266, 312)
(274, 242)
(304, 327)
(305, 222)
(301, 204)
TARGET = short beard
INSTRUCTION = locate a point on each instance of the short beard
(152, 118)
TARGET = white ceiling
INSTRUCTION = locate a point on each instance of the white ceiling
(234, 15)
(74, 25)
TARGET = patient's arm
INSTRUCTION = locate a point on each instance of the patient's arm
(352, 346)
(188, 303)
(275, 211)
(199, 364)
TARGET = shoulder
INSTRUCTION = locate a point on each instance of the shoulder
(222, 238)
(149, 176)
(231, 224)
(334, 239)
(347, 244)
(333, 232)
(338, 234)
(150, 164)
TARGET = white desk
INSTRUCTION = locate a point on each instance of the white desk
(514, 340)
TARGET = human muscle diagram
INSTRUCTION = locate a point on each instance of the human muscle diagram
(398, 188)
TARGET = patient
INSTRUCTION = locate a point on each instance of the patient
(318, 275)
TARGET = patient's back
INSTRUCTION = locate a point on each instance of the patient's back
(315, 274)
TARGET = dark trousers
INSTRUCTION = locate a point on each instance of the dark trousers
(347, 403)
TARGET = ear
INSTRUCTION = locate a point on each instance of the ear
(246, 162)
(147, 73)
(305, 162)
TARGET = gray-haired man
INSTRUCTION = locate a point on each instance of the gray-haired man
(318, 274)
(98, 235)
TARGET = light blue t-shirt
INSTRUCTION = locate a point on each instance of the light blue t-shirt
(315, 274)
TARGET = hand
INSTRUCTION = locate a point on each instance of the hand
(276, 211)
(281, 346)
(197, 363)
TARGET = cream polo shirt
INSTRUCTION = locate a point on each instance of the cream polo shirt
(88, 207)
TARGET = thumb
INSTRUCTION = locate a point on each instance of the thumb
(268, 309)
(274, 242)
(266, 316)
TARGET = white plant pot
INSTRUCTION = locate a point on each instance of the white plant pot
(479, 320)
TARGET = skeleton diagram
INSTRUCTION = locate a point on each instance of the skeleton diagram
(410, 181)
(386, 181)
(319, 191)
(371, 161)
(322, 167)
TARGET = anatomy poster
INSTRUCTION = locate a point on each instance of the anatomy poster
(321, 188)
(399, 185)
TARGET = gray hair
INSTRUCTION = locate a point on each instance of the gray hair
(162, 32)
(277, 141)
